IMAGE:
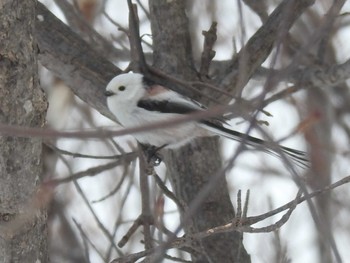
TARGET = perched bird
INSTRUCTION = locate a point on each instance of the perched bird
(137, 101)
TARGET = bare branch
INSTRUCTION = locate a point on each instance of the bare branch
(242, 224)
(89, 34)
(137, 56)
(259, 7)
(86, 239)
(146, 214)
(167, 192)
(260, 44)
(208, 52)
(79, 155)
(87, 74)
(93, 171)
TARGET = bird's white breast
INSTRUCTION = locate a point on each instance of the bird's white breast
(175, 135)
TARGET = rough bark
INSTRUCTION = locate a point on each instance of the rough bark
(72, 59)
(192, 166)
(190, 169)
(22, 102)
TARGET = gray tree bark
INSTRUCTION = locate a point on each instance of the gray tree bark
(191, 167)
(22, 102)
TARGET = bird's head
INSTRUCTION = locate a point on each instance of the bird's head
(125, 88)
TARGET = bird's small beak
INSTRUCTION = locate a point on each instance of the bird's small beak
(109, 93)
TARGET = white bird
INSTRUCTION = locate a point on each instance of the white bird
(137, 101)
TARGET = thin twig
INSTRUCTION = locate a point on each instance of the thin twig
(147, 217)
(255, 219)
(244, 226)
(87, 203)
(131, 231)
(167, 192)
(144, 9)
(91, 171)
(137, 56)
(86, 239)
(208, 53)
(86, 31)
(115, 189)
(30, 132)
(118, 221)
(79, 155)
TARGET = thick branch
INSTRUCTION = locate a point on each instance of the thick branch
(259, 46)
(70, 58)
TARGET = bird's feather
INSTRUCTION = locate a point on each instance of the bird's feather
(166, 106)
(271, 148)
(175, 105)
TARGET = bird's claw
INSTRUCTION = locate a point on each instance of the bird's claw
(152, 154)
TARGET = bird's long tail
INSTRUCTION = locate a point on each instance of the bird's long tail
(298, 157)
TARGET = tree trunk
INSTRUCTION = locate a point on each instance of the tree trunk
(22, 102)
(191, 167)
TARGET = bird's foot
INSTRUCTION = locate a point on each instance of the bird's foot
(152, 154)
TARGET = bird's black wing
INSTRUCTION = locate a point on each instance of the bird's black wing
(167, 106)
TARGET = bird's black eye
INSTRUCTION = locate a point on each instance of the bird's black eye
(122, 88)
